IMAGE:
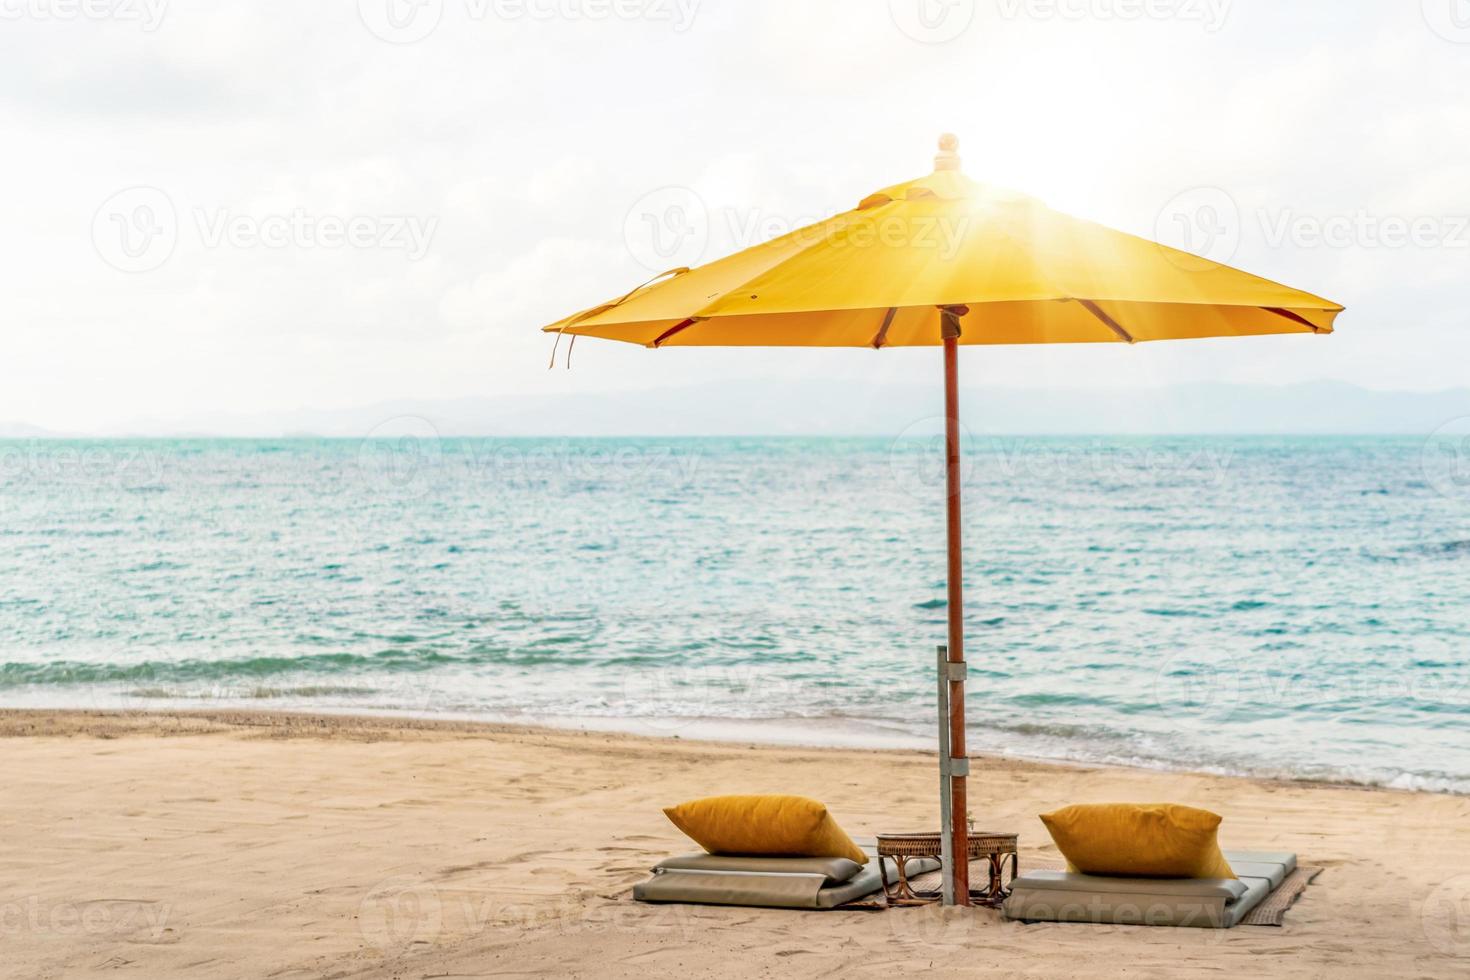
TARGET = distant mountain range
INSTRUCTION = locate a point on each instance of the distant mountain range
(837, 408)
(22, 430)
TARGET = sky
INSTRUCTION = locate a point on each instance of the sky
(216, 207)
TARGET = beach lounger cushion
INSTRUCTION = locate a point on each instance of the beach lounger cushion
(785, 826)
(835, 870)
(1156, 840)
(1271, 865)
(1210, 903)
(749, 881)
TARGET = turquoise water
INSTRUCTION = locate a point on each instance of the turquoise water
(1272, 606)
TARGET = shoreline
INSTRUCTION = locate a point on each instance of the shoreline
(285, 723)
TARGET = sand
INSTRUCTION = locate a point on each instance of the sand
(254, 845)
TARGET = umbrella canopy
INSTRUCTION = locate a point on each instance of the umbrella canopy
(944, 260)
(878, 276)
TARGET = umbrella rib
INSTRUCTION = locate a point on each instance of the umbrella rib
(1108, 321)
(881, 337)
(1294, 317)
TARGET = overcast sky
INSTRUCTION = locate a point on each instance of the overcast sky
(218, 206)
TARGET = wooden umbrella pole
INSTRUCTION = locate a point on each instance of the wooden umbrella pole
(959, 847)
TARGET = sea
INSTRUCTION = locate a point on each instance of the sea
(1276, 606)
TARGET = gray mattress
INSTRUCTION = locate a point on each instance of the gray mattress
(1206, 903)
(769, 882)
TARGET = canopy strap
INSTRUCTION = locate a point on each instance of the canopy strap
(1294, 317)
(679, 327)
(881, 337)
(1108, 321)
(596, 310)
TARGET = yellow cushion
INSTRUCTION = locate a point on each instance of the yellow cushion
(790, 826)
(1158, 840)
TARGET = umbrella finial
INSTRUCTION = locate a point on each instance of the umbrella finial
(948, 158)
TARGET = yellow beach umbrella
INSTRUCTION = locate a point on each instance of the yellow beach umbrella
(945, 261)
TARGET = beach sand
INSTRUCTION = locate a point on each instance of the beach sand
(253, 845)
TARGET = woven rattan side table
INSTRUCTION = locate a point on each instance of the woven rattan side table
(994, 849)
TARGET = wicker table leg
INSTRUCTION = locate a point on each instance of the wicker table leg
(905, 893)
(996, 892)
(901, 892)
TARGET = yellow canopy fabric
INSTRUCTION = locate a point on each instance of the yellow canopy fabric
(876, 276)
